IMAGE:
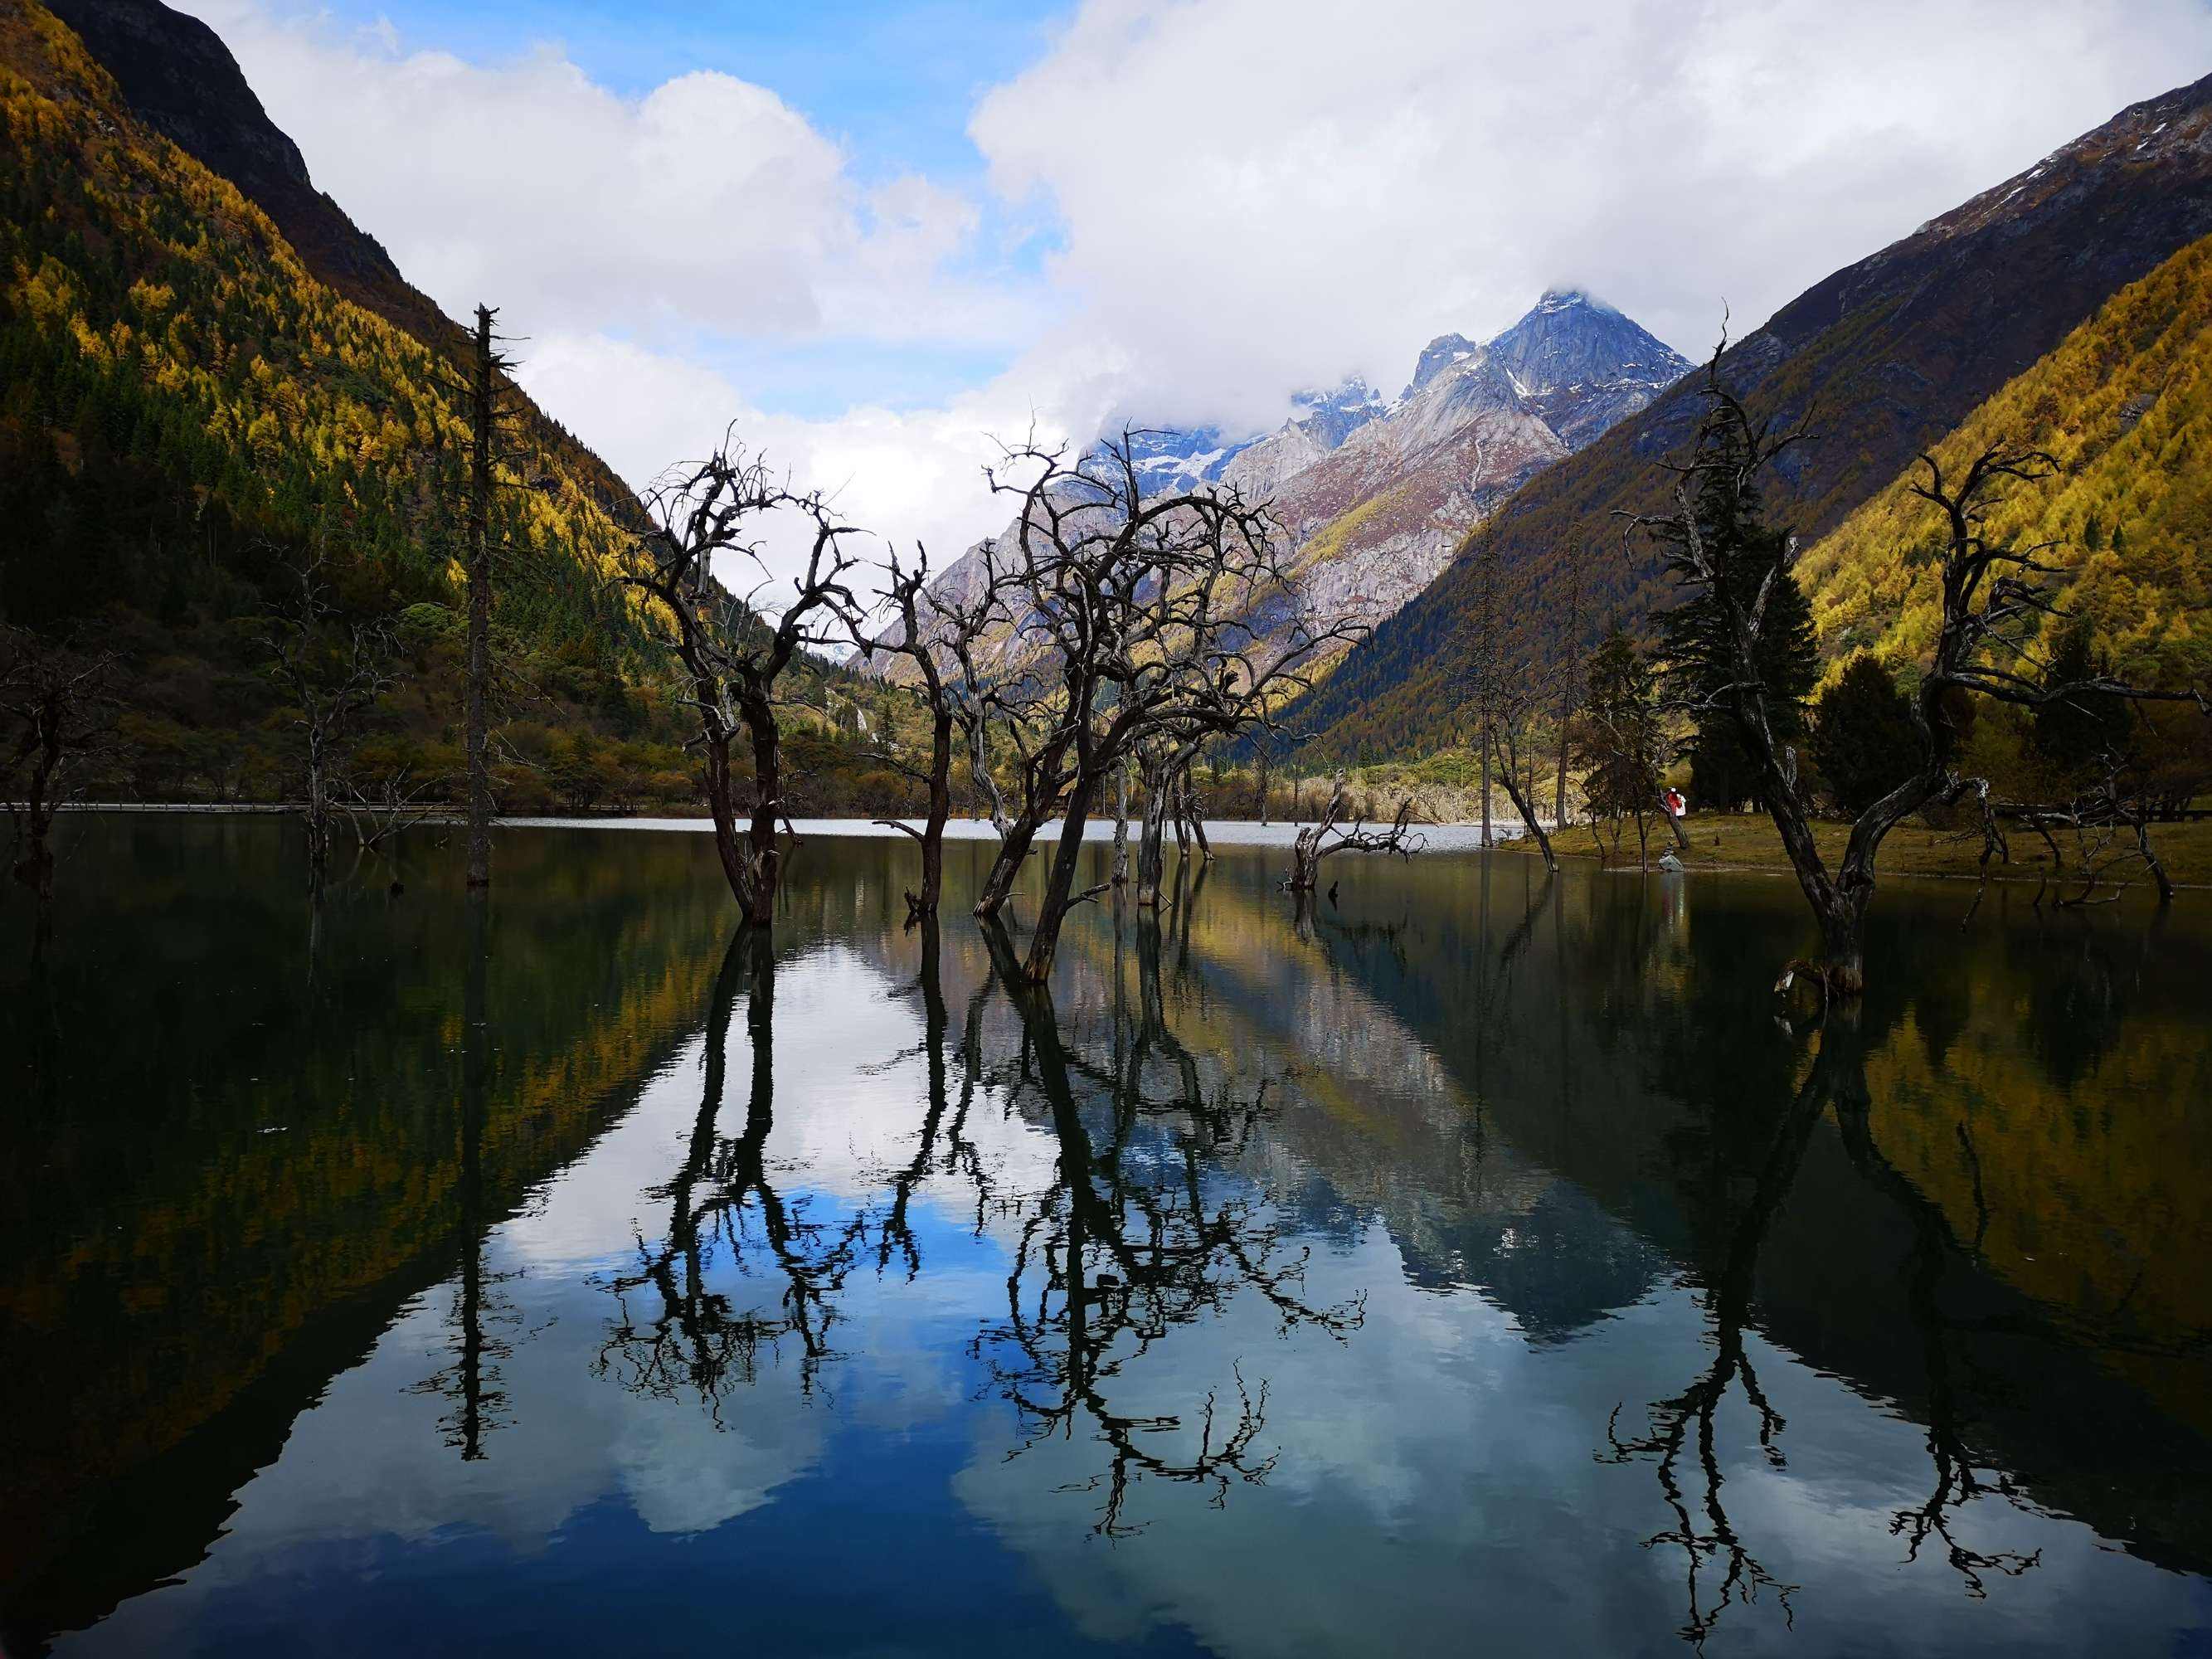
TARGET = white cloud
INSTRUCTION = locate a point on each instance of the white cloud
(1259, 193)
(1247, 197)
(707, 203)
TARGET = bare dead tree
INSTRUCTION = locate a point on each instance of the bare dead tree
(399, 800)
(1996, 604)
(937, 635)
(1505, 687)
(1565, 671)
(57, 714)
(1019, 701)
(728, 650)
(332, 674)
(1314, 842)
(1142, 607)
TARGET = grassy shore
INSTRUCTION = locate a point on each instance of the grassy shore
(1746, 841)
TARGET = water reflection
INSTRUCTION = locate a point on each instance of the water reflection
(693, 1336)
(1472, 1246)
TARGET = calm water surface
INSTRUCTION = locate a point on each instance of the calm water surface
(1475, 1265)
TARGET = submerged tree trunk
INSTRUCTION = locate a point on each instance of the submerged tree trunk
(1525, 805)
(931, 835)
(1195, 809)
(1059, 895)
(1151, 849)
(940, 809)
(1121, 823)
(762, 854)
(721, 808)
(478, 740)
(1486, 788)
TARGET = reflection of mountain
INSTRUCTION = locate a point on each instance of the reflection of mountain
(1630, 1055)
(1199, 1248)
(253, 1154)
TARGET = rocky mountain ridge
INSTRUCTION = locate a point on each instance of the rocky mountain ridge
(1888, 354)
(1372, 497)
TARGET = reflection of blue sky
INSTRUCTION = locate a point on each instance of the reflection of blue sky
(1436, 1485)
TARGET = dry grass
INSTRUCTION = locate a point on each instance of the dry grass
(1747, 841)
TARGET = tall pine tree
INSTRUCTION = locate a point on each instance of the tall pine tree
(1692, 650)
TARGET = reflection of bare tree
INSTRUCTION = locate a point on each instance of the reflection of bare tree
(1127, 1244)
(1837, 1080)
(944, 1146)
(697, 1339)
(1702, 1530)
(470, 1379)
(1958, 1480)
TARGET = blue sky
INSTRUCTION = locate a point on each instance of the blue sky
(893, 85)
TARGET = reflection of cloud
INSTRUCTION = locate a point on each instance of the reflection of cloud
(1434, 1480)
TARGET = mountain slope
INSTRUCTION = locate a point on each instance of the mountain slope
(1371, 498)
(1373, 522)
(1889, 354)
(188, 411)
(178, 79)
(2125, 405)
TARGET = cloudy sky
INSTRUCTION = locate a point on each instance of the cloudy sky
(878, 236)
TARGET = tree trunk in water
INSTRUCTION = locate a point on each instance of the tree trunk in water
(940, 809)
(318, 813)
(1151, 856)
(1060, 887)
(1486, 789)
(478, 741)
(1263, 792)
(1524, 803)
(1007, 868)
(1121, 823)
(765, 858)
(722, 809)
(1197, 823)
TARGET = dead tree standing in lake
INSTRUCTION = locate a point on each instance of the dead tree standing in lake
(1314, 842)
(727, 651)
(1996, 608)
(331, 675)
(1142, 607)
(931, 629)
(57, 712)
(1505, 687)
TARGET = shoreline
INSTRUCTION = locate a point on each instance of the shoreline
(1458, 838)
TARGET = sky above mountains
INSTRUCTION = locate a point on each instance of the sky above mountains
(876, 237)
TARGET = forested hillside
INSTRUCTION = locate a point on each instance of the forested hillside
(2124, 406)
(1884, 357)
(192, 412)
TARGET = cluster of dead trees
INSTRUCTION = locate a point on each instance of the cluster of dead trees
(1107, 637)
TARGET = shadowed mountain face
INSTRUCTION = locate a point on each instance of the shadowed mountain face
(1440, 1246)
(180, 80)
(1884, 357)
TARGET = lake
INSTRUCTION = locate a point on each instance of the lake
(1474, 1263)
